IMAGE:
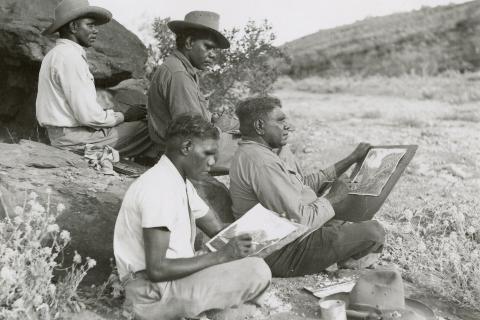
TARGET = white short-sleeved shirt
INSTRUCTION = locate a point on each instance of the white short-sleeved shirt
(158, 198)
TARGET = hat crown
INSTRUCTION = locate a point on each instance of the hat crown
(206, 18)
(66, 6)
(382, 289)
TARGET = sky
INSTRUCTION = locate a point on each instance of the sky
(291, 19)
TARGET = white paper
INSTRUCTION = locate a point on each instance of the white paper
(376, 169)
(264, 226)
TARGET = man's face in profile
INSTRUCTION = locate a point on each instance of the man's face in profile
(202, 53)
(276, 128)
(86, 31)
(201, 157)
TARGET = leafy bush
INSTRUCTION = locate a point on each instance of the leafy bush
(249, 67)
(31, 247)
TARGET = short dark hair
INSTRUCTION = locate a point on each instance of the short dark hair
(195, 34)
(188, 126)
(64, 30)
(254, 108)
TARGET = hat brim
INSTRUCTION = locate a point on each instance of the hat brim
(100, 15)
(410, 304)
(177, 26)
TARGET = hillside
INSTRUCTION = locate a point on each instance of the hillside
(425, 41)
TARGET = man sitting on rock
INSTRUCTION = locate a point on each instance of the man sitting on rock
(66, 101)
(155, 232)
(258, 175)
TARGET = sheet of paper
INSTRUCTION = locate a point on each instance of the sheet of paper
(329, 287)
(376, 169)
(265, 227)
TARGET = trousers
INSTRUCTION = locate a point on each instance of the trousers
(217, 287)
(128, 138)
(326, 246)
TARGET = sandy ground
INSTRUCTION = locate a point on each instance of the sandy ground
(445, 166)
(329, 126)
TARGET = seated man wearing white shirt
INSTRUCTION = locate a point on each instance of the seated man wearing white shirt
(66, 101)
(155, 231)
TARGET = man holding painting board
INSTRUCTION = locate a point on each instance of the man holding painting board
(258, 175)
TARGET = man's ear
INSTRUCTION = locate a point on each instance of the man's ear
(259, 126)
(189, 43)
(186, 147)
(73, 26)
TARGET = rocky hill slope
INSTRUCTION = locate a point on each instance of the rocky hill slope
(425, 41)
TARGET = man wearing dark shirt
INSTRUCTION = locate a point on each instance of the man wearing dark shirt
(175, 87)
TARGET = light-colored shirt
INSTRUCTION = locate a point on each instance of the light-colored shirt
(66, 91)
(258, 175)
(174, 90)
(158, 198)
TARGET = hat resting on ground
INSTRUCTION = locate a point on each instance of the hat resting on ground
(201, 20)
(382, 291)
(69, 10)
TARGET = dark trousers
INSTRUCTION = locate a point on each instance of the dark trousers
(325, 246)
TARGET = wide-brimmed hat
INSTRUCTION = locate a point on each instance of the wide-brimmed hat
(69, 10)
(201, 20)
(382, 291)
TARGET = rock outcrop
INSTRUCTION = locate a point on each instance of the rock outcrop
(116, 55)
(92, 199)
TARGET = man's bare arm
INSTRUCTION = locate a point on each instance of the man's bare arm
(160, 268)
(210, 224)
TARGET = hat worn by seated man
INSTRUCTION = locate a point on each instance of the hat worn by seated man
(67, 101)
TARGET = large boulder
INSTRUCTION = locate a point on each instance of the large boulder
(116, 55)
(92, 199)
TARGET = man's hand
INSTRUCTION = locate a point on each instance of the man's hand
(135, 113)
(360, 151)
(237, 248)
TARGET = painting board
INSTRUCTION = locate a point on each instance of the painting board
(268, 230)
(358, 208)
(375, 170)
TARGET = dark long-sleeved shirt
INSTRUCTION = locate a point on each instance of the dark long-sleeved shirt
(174, 90)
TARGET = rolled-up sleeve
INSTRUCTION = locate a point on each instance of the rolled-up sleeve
(78, 86)
(275, 191)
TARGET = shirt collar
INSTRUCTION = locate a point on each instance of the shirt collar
(251, 142)
(186, 63)
(73, 44)
(166, 163)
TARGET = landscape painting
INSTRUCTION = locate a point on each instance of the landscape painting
(263, 225)
(376, 169)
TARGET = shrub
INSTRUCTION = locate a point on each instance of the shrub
(31, 247)
(249, 67)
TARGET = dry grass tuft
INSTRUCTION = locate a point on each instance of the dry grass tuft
(462, 115)
(373, 114)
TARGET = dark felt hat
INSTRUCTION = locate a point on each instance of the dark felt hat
(201, 20)
(382, 290)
